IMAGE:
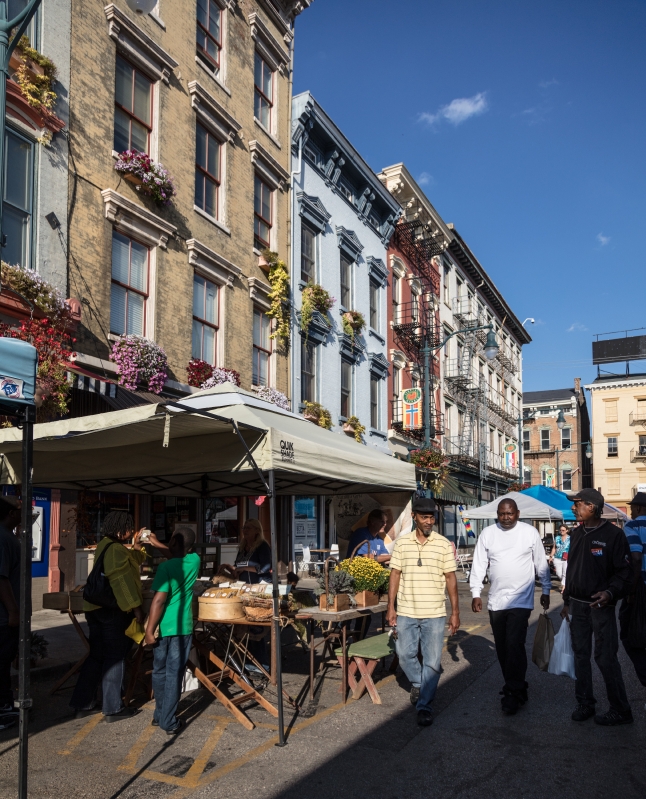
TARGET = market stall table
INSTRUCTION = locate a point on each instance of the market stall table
(337, 630)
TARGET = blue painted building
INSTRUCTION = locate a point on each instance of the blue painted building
(343, 218)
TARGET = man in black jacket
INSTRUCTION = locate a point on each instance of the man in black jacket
(599, 573)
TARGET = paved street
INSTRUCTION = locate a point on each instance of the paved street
(359, 749)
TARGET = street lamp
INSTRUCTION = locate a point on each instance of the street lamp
(588, 451)
(560, 420)
(491, 346)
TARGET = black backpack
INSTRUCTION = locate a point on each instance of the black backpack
(97, 590)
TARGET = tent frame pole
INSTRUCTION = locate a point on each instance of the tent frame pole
(276, 609)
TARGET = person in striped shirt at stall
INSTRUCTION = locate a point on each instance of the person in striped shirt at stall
(422, 570)
(636, 534)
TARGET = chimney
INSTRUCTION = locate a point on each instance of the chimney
(577, 385)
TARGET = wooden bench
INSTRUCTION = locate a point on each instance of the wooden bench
(363, 658)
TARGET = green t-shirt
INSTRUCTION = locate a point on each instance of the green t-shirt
(176, 578)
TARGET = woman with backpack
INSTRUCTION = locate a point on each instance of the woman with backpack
(114, 583)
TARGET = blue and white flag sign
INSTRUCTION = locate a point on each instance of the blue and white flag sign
(18, 362)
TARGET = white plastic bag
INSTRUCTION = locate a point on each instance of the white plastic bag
(562, 658)
(190, 682)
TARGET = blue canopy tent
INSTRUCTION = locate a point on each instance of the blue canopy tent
(553, 498)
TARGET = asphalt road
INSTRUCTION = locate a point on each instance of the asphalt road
(345, 752)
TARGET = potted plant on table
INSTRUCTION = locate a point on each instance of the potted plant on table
(370, 579)
(353, 427)
(334, 590)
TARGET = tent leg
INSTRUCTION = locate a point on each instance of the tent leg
(24, 650)
(276, 618)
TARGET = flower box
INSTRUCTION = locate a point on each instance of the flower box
(134, 179)
(34, 69)
(340, 602)
(366, 599)
(311, 417)
(349, 429)
(264, 264)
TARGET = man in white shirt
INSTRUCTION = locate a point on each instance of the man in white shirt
(514, 552)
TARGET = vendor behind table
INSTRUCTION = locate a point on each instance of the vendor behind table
(253, 561)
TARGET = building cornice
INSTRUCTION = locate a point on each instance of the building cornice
(278, 19)
(313, 210)
(620, 383)
(377, 270)
(268, 166)
(267, 44)
(348, 242)
(211, 114)
(378, 364)
(134, 220)
(211, 263)
(138, 46)
(259, 292)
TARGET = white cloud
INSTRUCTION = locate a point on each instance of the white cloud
(576, 327)
(425, 179)
(603, 240)
(458, 110)
(545, 84)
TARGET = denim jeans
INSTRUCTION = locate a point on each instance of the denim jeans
(427, 635)
(601, 622)
(8, 652)
(106, 663)
(509, 629)
(638, 656)
(170, 656)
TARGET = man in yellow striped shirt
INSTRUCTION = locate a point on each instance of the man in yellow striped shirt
(422, 570)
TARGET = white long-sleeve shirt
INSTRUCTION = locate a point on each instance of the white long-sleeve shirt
(513, 557)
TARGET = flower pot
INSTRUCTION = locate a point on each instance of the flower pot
(35, 70)
(366, 599)
(340, 602)
(310, 417)
(349, 430)
(130, 178)
(263, 264)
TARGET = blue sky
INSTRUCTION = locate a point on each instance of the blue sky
(526, 124)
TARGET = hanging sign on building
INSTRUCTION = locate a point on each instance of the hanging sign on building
(549, 477)
(511, 457)
(412, 408)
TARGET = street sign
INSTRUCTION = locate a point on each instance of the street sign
(412, 408)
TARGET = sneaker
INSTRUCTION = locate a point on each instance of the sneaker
(424, 718)
(414, 694)
(509, 704)
(154, 723)
(583, 713)
(124, 713)
(178, 729)
(613, 718)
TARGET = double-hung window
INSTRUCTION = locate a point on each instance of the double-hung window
(262, 214)
(129, 290)
(374, 305)
(308, 254)
(566, 480)
(566, 438)
(526, 440)
(261, 348)
(346, 389)
(207, 171)
(133, 108)
(209, 33)
(308, 371)
(613, 447)
(346, 282)
(205, 319)
(17, 208)
(374, 402)
(545, 439)
(263, 91)
(447, 285)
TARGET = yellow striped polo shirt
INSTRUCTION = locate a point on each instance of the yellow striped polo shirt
(422, 589)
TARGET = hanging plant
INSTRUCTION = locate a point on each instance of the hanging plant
(353, 427)
(36, 75)
(435, 463)
(314, 298)
(32, 287)
(315, 412)
(279, 295)
(140, 361)
(149, 178)
(198, 372)
(220, 375)
(272, 395)
(353, 323)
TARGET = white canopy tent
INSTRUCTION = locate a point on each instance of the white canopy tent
(529, 508)
(223, 441)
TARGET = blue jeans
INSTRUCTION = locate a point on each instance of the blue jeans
(105, 665)
(427, 635)
(170, 656)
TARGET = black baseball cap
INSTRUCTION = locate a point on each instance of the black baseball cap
(424, 505)
(639, 499)
(592, 496)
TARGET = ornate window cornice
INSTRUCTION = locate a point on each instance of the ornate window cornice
(267, 45)
(378, 364)
(259, 292)
(348, 242)
(398, 359)
(211, 114)
(138, 46)
(319, 328)
(134, 220)
(211, 263)
(377, 269)
(312, 209)
(279, 21)
(268, 166)
(351, 349)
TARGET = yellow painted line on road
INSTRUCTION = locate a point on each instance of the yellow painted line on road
(132, 758)
(199, 764)
(82, 734)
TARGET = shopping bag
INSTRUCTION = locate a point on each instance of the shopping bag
(637, 618)
(190, 682)
(562, 659)
(136, 631)
(543, 642)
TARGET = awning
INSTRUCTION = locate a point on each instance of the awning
(529, 508)
(453, 493)
(163, 449)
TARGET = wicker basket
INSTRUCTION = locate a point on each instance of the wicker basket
(220, 605)
(257, 609)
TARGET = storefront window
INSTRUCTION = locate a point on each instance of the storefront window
(221, 525)
(305, 524)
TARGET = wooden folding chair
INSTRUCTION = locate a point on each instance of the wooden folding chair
(363, 658)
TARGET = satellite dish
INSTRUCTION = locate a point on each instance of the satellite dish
(141, 6)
